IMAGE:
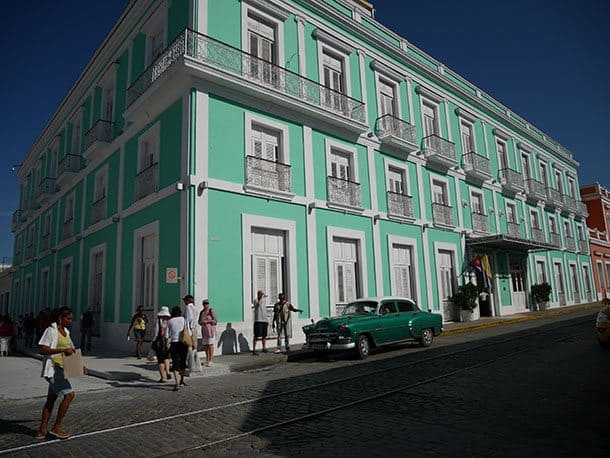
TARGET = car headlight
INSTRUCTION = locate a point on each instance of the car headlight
(602, 317)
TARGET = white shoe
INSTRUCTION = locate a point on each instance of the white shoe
(278, 350)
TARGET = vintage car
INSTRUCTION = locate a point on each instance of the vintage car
(373, 322)
(602, 326)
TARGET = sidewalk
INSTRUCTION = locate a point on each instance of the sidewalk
(125, 367)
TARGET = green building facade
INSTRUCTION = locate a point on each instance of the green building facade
(219, 147)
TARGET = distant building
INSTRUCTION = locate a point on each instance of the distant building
(222, 147)
(597, 199)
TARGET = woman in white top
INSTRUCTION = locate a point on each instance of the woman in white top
(177, 350)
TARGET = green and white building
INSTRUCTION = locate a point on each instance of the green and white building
(219, 147)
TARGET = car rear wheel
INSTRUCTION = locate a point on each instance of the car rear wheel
(362, 347)
(427, 336)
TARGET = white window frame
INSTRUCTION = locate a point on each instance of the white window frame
(435, 104)
(528, 160)
(468, 123)
(62, 299)
(558, 177)
(553, 225)
(289, 228)
(540, 260)
(70, 198)
(267, 13)
(574, 282)
(445, 182)
(157, 22)
(108, 81)
(361, 272)
(153, 137)
(601, 274)
(251, 120)
(563, 278)
(508, 203)
(412, 244)
(475, 192)
(390, 78)
(544, 173)
(387, 164)
(77, 119)
(535, 217)
(499, 140)
(571, 187)
(103, 172)
(98, 249)
(438, 247)
(352, 151)
(144, 231)
(586, 275)
(330, 44)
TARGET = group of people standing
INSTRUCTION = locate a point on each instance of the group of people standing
(178, 338)
(281, 321)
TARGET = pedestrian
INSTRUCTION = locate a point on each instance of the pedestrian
(160, 344)
(55, 343)
(261, 324)
(6, 334)
(191, 314)
(86, 329)
(281, 320)
(138, 323)
(19, 327)
(176, 327)
(208, 322)
(29, 327)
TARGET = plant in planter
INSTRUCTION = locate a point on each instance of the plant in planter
(466, 300)
(541, 294)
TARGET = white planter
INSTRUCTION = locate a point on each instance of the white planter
(467, 315)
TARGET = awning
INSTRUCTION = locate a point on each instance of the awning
(503, 242)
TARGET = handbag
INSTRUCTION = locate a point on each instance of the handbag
(185, 337)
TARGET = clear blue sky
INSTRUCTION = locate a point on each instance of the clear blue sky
(547, 60)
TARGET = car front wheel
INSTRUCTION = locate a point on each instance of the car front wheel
(427, 336)
(362, 347)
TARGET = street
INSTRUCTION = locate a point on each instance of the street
(530, 388)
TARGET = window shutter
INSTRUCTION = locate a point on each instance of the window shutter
(350, 283)
(273, 278)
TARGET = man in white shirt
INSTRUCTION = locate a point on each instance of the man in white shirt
(192, 312)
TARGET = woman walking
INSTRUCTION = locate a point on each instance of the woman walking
(6, 333)
(176, 327)
(208, 322)
(161, 345)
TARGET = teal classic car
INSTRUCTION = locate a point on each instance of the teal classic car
(374, 322)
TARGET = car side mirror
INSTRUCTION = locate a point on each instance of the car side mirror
(429, 310)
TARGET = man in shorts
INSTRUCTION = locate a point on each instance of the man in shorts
(138, 323)
(260, 322)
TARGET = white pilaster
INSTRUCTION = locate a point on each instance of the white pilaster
(361, 56)
(301, 45)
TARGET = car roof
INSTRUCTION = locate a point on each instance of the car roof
(383, 298)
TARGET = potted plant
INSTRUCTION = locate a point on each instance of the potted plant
(541, 294)
(465, 300)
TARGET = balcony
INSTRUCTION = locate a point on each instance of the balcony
(555, 239)
(67, 229)
(99, 136)
(343, 192)
(568, 204)
(538, 235)
(68, 168)
(476, 167)
(17, 220)
(581, 210)
(192, 53)
(511, 181)
(534, 190)
(45, 242)
(400, 205)
(439, 151)
(147, 181)
(553, 197)
(98, 210)
(442, 214)
(479, 222)
(398, 133)
(583, 246)
(268, 175)
(514, 229)
(562, 299)
(45, 190)
(570, 244)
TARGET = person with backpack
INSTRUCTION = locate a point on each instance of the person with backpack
(160, 344)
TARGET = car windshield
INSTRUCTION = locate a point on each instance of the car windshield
(359, 307)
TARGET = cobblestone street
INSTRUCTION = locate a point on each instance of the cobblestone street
(531, 388)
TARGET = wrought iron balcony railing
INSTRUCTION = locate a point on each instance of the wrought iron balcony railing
(581, 210)
(553, 197)
(511, 180)
(476, 166)
(343, 192)
(535, 189)
(569, 204)
(234, 61)
(555, 239)
(71, 163)
(67, 229)
(46, 188)
(45, 242)
(442, 214)
(537, 234)
(583, 246)
(101, 131)
(479, 222)
(570, 243)
(400, 204)
(514, 229)
(390, 128)
(268, 174)
(147, 181)
(98, 210)
(439, 150)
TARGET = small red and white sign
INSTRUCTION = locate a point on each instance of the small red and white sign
(171, 275)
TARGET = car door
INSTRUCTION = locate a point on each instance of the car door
(390, 322)
(406, 311)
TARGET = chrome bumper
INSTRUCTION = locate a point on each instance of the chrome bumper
(327, 346)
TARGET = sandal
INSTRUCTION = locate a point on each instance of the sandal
(59, 435)
(40, 436)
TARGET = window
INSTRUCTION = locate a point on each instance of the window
(387, 98)
(268, 262)
(543, 174)
(586, 279)
(76, 135)
(600, 275)
(558, 182)
(552, 225)
(340, 165)
(567, 229)
(396, 180)
(266, 143)
(146, 270)
(388, 308)
(580, 233)
(69, 209)
(559, 278)
(154, 29)
(525, 166)
(347, 282)
(405, 306)
(333, 78)
(44, 289)
(477, 204)
(511, 213)
(100, 184)
(430, 118)
(502, 153)
(467, 136)
(108, 100)
(16, 292)
(402, 270)
(262, 45)
(148, 148)
(446, 275)
(96, 282)
(535, 219)
(342, 183)
(66, 283)
(540, 272)
(46, 227)
(439, 192)
(574, 279)
(571, 187)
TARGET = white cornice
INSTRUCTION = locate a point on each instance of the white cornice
(274, 10)
(332, 41)
(387, 71)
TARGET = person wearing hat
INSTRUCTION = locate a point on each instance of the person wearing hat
(208, 322)
(191, 315)
(160, 344)
(138, 323)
